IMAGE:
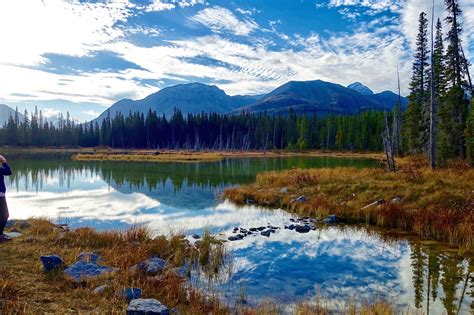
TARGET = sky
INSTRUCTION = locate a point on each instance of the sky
(82, 56)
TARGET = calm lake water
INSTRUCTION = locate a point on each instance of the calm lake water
(336, 263)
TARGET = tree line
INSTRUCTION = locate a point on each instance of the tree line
(201, 131)
(439, 120)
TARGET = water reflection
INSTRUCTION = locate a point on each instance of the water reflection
(338, 264)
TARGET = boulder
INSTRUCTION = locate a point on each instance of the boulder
(88, 257)
(196, 237)
(266, 233)
(253, 229)
(52, 262)
(292, 227)
(152, 266)
(129, 293)
(146, 307)
(302, 228)
(261, 228)
(84, 271)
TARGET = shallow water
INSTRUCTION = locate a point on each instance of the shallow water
(336, 263)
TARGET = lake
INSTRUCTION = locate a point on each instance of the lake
(333, 263)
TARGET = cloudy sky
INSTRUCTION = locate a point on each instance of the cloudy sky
(82, 56)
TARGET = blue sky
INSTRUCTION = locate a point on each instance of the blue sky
(82, 56)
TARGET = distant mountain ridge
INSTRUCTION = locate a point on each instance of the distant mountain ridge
(316, 96)
(5, 113)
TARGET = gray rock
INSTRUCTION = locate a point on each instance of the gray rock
(396, 201)
(101, 289)
(52, 262)
(85, 271)
(196, 237)
(292, 227)
(152, 266)
(266, 233)
(284, 190)
(147, 307)
(129, 293)
(261, 228)
(88, 257)
(253, 229)
(302, 228)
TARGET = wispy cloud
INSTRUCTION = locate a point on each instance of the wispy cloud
(220, 20)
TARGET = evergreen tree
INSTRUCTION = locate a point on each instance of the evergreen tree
(417, 115)
(470, 134)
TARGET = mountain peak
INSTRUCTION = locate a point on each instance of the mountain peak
(362, 89)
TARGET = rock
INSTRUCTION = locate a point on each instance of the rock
(284, 190)
(85, 271)
(152, 266)
(272, 227)
(52, 262)
(266, 233)
(292, 220)
(181, 272)
(331, 219)
(253, 229)
(101, 289)
(23, 224)
(292, 227)
(196, 237)
(261, 228)
(242, 230)
(10, 223)
(301, 199)
(88, 257)
(197, 243)
(129, 293)
(14, 230)
(302, 228)
(396, 201)
(146, 307)
(13, 234)
(250, 201)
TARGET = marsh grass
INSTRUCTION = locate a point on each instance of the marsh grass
(435, 204)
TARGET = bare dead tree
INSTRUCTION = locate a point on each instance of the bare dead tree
(387, 137)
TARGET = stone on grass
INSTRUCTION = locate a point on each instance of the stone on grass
(147, 307)
(84, 271)
(396, 201)
(129, 293)
(284, 190)
(152, 266)
(52, 262)
(88, 257)
(13, 234)
(101, 289)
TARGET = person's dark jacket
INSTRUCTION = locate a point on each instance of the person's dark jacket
(4, 171)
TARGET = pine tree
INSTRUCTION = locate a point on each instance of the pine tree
(417, 115)
(470, 134)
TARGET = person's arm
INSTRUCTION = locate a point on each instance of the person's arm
(5, 169)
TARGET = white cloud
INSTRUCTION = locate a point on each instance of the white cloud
(50, 112)
(53, 26)
(91, 113)
(162, 5)
(221, 19)
(375, 5)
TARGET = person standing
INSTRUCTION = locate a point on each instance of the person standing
(4, 171)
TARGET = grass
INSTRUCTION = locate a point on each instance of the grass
(24, 288)
(435, 204)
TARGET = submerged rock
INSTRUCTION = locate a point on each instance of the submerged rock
(292, 227)
(88, 257)
(85, 271)
(266, 233)
(129, 293)
(303, 228)
(261, 228)
(253, 229)
(52, 262)
(147, 306)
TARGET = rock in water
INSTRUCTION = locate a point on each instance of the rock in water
(196, 237)
(84, 271)
(52, 262)
(88, 257)
(129, 293)
(303, 228)
(266, 233)
(147, 306)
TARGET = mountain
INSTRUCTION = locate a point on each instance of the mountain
(5, 113)
(362, 89)
(389, 99)
(315, 97)
(189, 98)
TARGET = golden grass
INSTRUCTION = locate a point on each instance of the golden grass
(24, 288)
(436, 204)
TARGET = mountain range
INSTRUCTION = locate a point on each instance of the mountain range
(317, 96)
(5, 113)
